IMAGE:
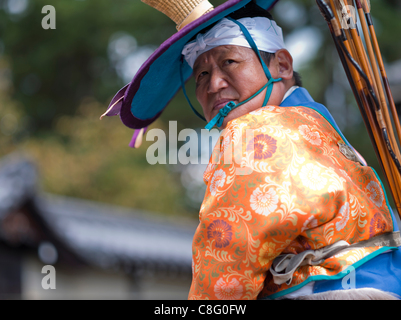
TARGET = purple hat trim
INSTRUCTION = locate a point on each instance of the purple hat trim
(115, 104)
(137, 138)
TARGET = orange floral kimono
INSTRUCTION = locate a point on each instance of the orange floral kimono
(288, 188)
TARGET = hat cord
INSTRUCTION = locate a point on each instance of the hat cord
(185, 91)
(219, 118)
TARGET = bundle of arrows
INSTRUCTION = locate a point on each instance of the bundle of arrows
(364, 67)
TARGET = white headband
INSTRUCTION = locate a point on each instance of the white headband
(267, 35)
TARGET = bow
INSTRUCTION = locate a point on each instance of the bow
(369, 82)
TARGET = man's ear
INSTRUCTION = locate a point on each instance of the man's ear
(284, 60)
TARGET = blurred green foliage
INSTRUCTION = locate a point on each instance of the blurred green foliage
(54, 69)
(87, 158)
(54, 84)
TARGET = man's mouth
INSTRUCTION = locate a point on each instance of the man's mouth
(220, 104)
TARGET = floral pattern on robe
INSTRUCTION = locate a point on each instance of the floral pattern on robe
(277, 183)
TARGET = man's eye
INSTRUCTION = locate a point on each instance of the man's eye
(202, 74)
(229, 61)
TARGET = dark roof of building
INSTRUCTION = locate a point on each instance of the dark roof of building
(109, 236)
(18, 178)
(98, 234)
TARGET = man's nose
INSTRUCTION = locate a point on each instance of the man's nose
(217, 81)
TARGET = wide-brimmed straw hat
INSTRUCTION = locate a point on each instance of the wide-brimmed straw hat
(143, 100)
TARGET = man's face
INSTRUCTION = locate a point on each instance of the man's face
(230, 73)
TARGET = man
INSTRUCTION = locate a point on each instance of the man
(297, 214)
